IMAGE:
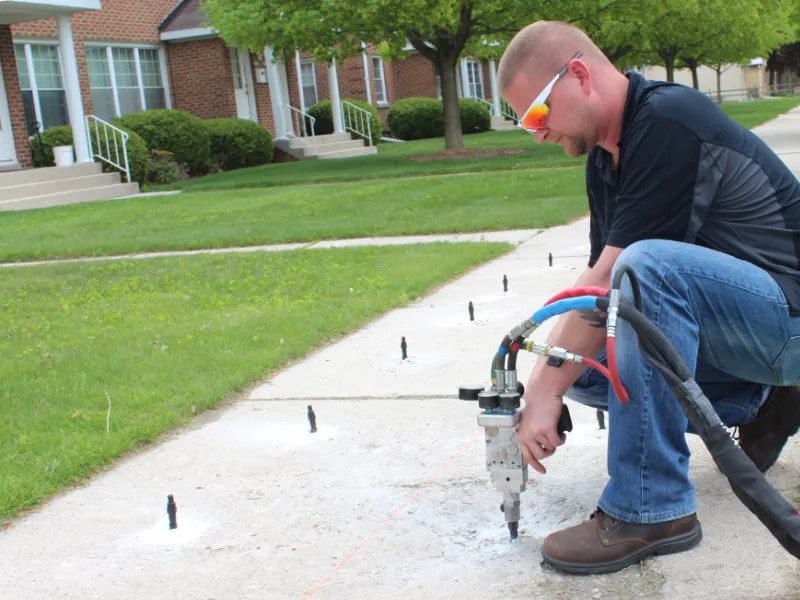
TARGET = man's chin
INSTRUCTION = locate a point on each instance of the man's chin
(575, 147)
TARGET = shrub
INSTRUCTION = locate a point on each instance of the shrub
(175, 131)
(42, 154)
(237, 143)
(475, 116)
(163, 168)
(416, 118)
(323, 114)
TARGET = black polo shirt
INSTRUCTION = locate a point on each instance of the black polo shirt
(689, 173)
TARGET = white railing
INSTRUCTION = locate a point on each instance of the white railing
(508, 112)
(108, 144)
(505, 109)
(357, 120)
(303, 122)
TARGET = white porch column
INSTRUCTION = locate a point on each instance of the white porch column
(464, 79)
(277, 95)
(336, 103)
(299, 80)
(366, 63)
(72, 90)
(493, 85)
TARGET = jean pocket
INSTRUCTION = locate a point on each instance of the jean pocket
(787, 366)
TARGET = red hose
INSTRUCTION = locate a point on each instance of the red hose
(578, 291)
(613, 372)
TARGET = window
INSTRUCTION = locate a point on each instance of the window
(42, 88)
(474, 80)
(238, 83)
(124, 80)
(308, 81)
(380, 80)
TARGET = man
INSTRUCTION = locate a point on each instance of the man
(708, 219)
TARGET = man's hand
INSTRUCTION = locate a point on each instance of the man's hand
(538, 430)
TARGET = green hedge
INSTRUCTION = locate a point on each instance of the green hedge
(180, 133)
(42, 154)
(237, 143)
(323, 114)
(418, 118)
(475, 116)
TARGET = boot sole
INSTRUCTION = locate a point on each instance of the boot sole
(678, 543)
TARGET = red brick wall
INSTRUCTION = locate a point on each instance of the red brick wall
(411, 77)
(202, 78)
(15, 108)
(118, 21)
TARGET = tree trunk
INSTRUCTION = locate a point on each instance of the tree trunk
(453, 138)
(695, 78)
(670, 67)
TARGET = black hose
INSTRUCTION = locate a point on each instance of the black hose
(617, 282)
(747, 482)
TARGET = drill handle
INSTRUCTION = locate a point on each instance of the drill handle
(564, 421)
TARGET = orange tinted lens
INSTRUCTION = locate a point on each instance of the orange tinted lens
(535, 117)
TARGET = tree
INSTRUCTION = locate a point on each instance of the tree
(734, 33)
(695, 32)
(440, 30)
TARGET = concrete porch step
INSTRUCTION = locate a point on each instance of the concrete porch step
(500, 123)
(106, 192)
(310, 152)
(27, 176)
(328, 138)
(360, 151)
(54, 186)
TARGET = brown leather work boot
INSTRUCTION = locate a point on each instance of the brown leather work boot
(604, 545)
(763, 438)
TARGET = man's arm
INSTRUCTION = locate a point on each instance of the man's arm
(538, 433)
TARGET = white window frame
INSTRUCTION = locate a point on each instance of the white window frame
(379, 75)
(108, 48)
(34, 86)
(306, 62)
(475, 79)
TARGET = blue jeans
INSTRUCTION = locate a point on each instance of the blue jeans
(730, 322)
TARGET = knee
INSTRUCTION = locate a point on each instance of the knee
(651, 260)
(646, 254)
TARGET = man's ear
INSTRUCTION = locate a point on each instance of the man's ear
(581, 70)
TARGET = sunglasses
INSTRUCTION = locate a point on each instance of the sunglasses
(533, 119)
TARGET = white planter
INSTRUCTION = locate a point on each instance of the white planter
(64, 156)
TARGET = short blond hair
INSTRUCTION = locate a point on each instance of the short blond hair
(547, 45)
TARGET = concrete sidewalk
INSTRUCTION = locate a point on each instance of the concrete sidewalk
(390, 498)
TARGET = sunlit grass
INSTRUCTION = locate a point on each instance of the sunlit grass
(163, 337)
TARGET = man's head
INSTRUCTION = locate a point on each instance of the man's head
(557, 80)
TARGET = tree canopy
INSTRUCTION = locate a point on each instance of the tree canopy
(668, 32)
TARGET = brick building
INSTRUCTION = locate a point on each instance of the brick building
(63, 59)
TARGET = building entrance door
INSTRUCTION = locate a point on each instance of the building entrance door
(8, 154)
(243, 85)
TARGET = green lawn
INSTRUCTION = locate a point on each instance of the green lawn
(456, 203)
(395, 160)
(157, 337)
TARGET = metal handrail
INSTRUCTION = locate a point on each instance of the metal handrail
(355, 120)
(103, 137)
(299, 121)
(505, 109)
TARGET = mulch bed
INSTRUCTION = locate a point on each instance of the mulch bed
(464, 153)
